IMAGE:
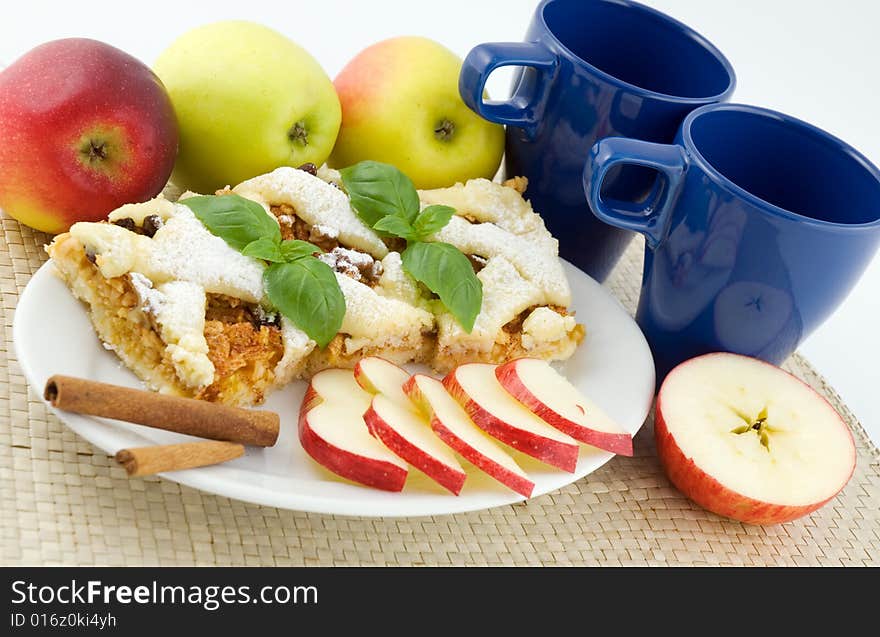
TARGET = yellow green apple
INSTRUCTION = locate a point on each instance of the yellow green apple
(248, 100)
(401, 106)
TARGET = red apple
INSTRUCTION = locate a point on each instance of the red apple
(408, 434)
(454, 427)
(333, 432)
(557, 402)
(85, 128)
(746, 440)
(500, 415)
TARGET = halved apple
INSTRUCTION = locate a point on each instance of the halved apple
(557, 402)
(379, 376)
(408, 435)
(746, 440)
(454, 427)
(333, 432)
(500, 415)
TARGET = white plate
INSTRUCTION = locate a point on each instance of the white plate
(52, 335)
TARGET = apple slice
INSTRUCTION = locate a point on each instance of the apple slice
(454, 427)
(500, 415)
(557, 402)
(746, 440)
(393, 418)
(333, 432)
(407, 434)
(378, 376)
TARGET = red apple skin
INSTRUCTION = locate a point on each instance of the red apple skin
(505, 476)
(615, 443)
(367, 471)
(444, 475)
(708, 492)
(53, 101)
(552, 452)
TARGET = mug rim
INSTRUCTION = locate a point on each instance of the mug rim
(805, 128)
(635, 88)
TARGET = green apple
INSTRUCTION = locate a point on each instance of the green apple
(247, 101)
(401, 106)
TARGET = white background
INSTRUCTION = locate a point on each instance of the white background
(816, 60)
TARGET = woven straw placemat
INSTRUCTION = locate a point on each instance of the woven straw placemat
(62, 501)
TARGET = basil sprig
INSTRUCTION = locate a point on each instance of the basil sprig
(377, 190)
(386, 200)
(238, 221)
(301, 287)
(446, 271)
(306, 291)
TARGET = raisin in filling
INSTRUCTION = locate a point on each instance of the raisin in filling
(354, 264)
(148, 228)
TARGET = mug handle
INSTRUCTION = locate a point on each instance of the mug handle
(478, 66)
(651, 219)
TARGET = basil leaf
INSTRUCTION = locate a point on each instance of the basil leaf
(263, 248)
(294, 249)
(306, 292)
(449, 274)
(432, 219)
(377, 190)
(395, 225)
(236, 220)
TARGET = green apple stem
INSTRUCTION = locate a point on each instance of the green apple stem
(444, 131)
(759, 426)
(298, 134)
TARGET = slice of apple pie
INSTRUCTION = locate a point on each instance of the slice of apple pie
(190, 315)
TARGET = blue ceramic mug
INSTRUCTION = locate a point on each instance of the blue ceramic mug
(592, 68)
(759, 226)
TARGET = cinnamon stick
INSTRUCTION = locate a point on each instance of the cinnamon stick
(144, 461)
(172, 413)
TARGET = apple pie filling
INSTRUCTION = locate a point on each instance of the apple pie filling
(244, 345)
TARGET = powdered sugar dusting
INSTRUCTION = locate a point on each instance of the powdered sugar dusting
(325, 231)
(375, 320)
(507, 226)
(316, 202)
(181, 320)
(505, 295)
(533, 254)
(351, 263)
(151, 299)
(183, 249)
(487, 201)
